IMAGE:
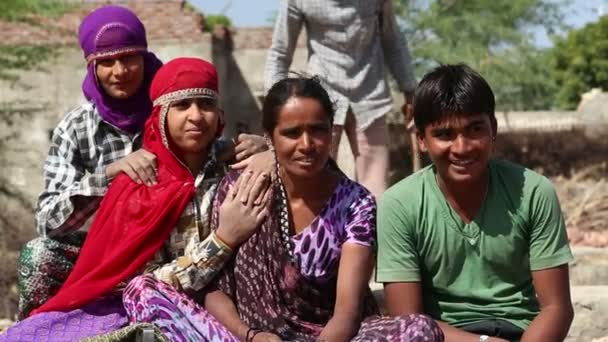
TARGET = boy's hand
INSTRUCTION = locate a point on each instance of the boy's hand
(140, 166)
(247, 145)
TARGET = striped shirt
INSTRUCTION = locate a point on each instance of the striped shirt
(349, 42)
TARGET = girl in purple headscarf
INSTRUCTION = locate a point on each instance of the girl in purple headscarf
(89, 147)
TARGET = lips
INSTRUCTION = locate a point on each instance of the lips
(306, 160)
(194, 131)
(462, 163)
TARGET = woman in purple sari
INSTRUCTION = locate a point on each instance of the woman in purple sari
(304, 275)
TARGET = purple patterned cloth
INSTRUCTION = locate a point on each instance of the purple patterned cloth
(110, 31)
(348, 216)
(99, 317)
(149, 300)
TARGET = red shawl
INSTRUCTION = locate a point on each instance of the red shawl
(134, 220)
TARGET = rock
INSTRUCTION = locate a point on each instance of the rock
(590, 314)
(593, 111)
(5, 323)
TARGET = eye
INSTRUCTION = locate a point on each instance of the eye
(129, 59)
(106, 62)
(292, 133)
(206, 104)
(182, 105)
(442, 134)
(477, 129)
(320, 128)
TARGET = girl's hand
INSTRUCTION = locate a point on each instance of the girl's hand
(244, 208)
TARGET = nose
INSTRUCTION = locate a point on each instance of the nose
(461, 144)
(195, 112)
(306, 142)
(119, 68)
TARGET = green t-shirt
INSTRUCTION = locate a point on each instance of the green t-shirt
(476, 271)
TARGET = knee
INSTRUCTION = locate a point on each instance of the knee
(141, 282)
(423, 325)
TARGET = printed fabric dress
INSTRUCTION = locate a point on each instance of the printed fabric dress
(287, 284)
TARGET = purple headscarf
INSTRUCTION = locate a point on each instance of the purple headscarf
(112, 31)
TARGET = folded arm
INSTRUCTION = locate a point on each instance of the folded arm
(556, 312)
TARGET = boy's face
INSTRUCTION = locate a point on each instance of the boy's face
(120, 77)
(459, 146)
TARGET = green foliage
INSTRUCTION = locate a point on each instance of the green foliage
(16, 10)
(493, 37)
(19, 58)
(580, 62)
(216, 19)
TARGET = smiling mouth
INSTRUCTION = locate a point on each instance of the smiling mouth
(306, 160)
(462, 163)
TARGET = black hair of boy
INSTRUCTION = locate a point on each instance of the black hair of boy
(452, 90)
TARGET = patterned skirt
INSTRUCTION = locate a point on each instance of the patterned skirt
(148, 300)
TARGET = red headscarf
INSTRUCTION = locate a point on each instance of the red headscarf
(134, 220)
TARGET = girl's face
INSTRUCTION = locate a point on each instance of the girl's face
(302, 137)
(120, 77)
(192, 124)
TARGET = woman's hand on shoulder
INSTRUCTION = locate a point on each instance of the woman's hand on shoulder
(244, 208)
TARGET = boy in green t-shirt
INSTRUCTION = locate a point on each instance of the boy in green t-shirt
(478, 244)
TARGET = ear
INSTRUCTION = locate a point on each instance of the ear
(421, 142)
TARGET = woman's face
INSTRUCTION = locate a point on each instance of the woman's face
(193, 124)
(120, 77)
(302, 137)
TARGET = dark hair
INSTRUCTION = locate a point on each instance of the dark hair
(452, 90)
(290, 87)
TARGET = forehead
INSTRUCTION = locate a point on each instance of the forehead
(301, 111)
(455, 121)
(122, 55)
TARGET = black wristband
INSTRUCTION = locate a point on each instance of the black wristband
(249, 331)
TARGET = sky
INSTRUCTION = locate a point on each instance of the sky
(249, 13)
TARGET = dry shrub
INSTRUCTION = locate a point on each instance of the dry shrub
(584, 199)
(16, 228)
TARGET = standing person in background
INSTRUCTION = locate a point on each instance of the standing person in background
(348, 44)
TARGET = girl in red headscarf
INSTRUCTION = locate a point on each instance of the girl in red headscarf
(164, 229)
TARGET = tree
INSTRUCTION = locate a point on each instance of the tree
(579, 62)
(495, 37)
